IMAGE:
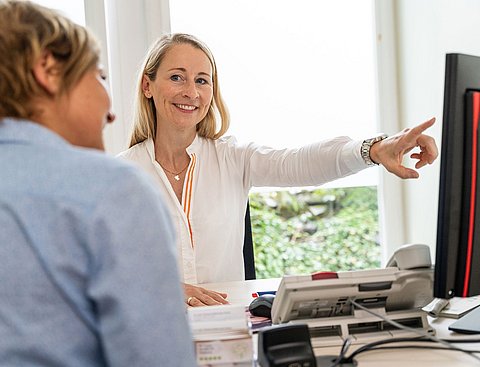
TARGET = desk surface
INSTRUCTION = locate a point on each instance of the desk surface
(241, 293)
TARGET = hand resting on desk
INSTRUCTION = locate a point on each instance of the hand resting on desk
(196, 296)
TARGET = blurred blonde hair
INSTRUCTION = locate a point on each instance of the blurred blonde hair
(144, 118)
(27, 30)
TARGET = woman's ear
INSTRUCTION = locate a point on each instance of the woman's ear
(146, 87)
(46, 72)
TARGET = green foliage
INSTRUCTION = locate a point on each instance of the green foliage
(306, 231)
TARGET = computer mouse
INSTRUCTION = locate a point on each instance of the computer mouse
(262, 306)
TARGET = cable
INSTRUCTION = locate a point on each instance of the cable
(377, 346)
(423, 337)
(365, 348)
(373, 346)
(416, 346)
(462, 341)
(421, 333)
(357, 352)
(341, 356)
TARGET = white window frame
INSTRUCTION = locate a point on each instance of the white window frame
(391, 197)
(123, 49)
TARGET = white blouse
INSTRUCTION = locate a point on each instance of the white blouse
(209, 222)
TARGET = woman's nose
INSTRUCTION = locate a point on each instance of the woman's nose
(190, 90)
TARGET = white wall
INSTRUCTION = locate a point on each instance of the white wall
(426, 30)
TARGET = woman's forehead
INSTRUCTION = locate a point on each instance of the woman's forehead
(188, 57)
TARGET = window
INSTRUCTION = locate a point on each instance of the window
(293, 73)
(304, 70)
(74, 9)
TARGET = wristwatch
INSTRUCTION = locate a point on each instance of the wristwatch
(365, 149)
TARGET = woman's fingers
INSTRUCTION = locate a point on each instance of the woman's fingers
(198, 296)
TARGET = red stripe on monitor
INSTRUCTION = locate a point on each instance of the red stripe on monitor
(471, 224)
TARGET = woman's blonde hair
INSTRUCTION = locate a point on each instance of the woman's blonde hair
(27, 30)
(144, 118)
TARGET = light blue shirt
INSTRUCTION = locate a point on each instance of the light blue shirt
(88, 275)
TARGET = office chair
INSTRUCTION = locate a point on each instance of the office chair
(248, 254)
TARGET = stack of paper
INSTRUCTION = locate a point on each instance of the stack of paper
(222, 335)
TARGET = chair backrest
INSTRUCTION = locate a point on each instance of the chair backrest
(248, 254)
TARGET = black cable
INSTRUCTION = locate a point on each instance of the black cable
(371, 345)
(423, 337)
(421, 332)
(343, 351)
(461, 341)
(414, 346)
(374, 346)
(342, 355)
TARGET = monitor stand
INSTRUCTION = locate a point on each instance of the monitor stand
(468, 324)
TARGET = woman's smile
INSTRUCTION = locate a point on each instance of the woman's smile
(185, 107)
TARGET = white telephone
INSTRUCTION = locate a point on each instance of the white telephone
(411, 256)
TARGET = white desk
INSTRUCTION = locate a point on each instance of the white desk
(241, 293)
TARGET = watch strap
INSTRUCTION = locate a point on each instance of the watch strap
(367, 145)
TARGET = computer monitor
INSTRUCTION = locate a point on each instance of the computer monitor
(457, 265)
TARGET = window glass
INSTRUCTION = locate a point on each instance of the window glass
(291, 72)
(74, 9)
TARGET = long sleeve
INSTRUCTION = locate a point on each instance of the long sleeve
(310, 165)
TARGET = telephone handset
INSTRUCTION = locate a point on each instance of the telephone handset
(411, 256)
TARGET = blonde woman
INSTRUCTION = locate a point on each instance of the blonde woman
(178, 138)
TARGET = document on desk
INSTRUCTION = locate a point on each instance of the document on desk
(221, 335)
(225, 321)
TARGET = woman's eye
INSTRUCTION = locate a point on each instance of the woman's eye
(175, 78)
(202, 81)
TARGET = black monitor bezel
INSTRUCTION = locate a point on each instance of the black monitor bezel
(462, 74)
